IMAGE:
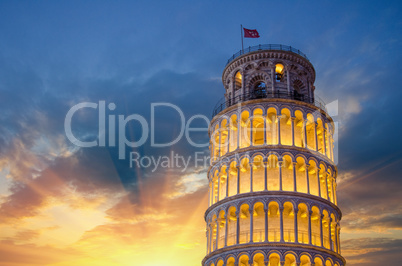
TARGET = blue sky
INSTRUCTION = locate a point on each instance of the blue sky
(54, 54)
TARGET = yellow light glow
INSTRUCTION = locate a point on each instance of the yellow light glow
(278, 68)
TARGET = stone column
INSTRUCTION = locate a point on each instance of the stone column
(316, 135)
(251, 224)
(251, 131)
(319, 181)
(333, 190)
(329, 232)
(238, 179)
(324, 130)
(305, 132)
(227, 180)
(265, 174)
(321, 231)
(288, 80)
(294, 176)
(296, 211)
(265, 127)
(228, 137)
(219, 143)
(309, 226)
(219, 185)
(208, 239)
(293, 130)
(226, 229)
(336, 237)
(308, 178)
(279, 128)
(238, 130)
(251, 176)
(280, 175)
(273, 80)
(217, 233)
(237, 227)
(326, 185)
(281, 222)
(266, 223)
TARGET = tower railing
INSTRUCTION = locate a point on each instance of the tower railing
(277, 47)
(225, 103)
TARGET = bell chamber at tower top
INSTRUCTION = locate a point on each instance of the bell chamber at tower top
(268, 71)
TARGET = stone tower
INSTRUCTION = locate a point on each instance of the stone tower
(272, 179)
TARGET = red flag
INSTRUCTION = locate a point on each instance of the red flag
(251, 33)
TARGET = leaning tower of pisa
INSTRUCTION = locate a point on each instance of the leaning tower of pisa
(272, 179)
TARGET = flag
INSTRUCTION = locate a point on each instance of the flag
(251, 33)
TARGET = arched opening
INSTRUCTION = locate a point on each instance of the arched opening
(258, 173)
(287, 173)
(302, 224)
(224, 137)
(213, 232)
(215, 181)
(288, 222)
(298, 129)
(232, 178)
(260, 89)
(245, 129)
(315, 226)
(328, 263)
(305, 260)
(325, 229)
(290, 260)
(244, 224)
(258, 260)
(258, 127)
(301, 179)
(221, 226)
(273, 173)
(230, 262)
(232, 225)
(238, 80)
(215, 140)
(219, 263)
(244, 175)
(327, 143)
(222, 184)
(312, 175)
(286, 127)
(279, 69)
(274, 260)
(297, 90)
(243, 260)
(320, 136)
(274, 234)
(258, 222)
(318, 261)
(233, 133)
(272, 127)
(310, 128)
(333, 232)
(323, 185)
(329, 182)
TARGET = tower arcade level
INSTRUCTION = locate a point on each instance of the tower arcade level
(272, 179)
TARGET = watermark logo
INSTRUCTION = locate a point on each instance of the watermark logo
(312, 132)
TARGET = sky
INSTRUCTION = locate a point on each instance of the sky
(61, 204)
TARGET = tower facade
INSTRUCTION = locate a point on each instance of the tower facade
(272, 179)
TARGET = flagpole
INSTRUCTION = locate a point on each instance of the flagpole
(241, 33)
